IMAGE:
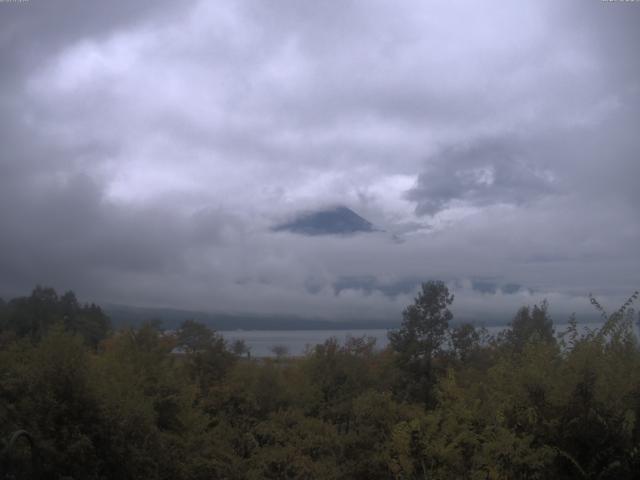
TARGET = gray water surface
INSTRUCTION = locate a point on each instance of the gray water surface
(261, 342)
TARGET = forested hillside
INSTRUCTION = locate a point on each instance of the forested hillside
(440, 402)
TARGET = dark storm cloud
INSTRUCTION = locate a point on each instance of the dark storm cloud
(149, 147)
(492, 172)
(67, 234)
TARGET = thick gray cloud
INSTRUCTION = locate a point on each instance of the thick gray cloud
(150, 147)
(493, 172)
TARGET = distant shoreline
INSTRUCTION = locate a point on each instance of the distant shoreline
(123, 316)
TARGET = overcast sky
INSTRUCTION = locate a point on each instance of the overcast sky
(149, 147)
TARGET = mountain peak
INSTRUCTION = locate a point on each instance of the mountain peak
(339, 220)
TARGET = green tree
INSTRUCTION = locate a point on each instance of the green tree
(421, 336)
(531, 324)
(32, 316)
(87, 320)
(207, 357)
(465, 339)
(339, 373)
(240, 348)
(195, 336)
(35, 315)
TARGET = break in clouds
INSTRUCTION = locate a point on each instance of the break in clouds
(153, 151)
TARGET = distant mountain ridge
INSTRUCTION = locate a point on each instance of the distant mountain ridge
(171, 318)
(338, 220)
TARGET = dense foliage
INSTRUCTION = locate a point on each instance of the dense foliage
(442, 401)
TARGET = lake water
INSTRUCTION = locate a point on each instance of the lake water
(261, 342)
